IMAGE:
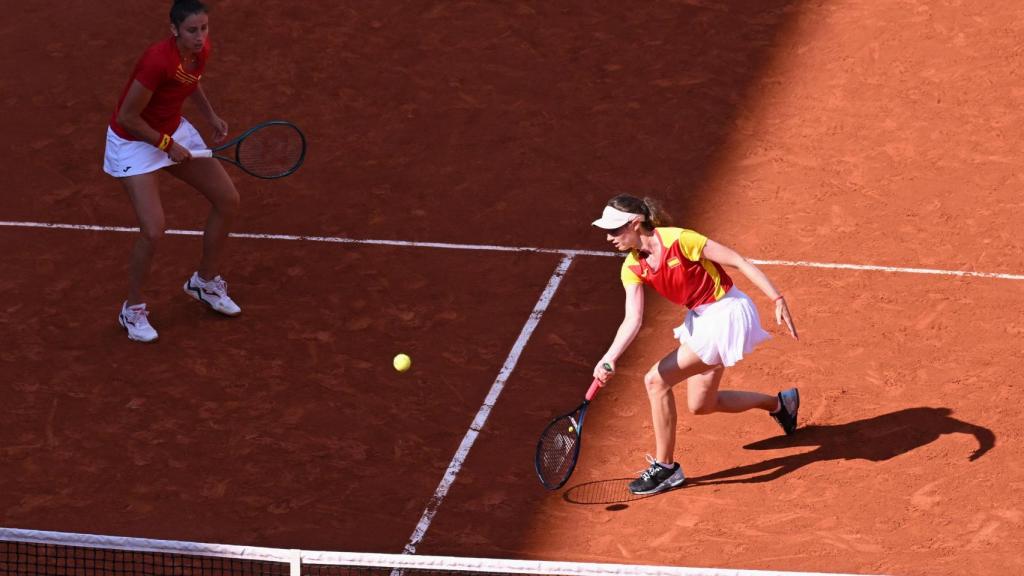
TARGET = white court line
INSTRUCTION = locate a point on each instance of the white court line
(494, 248)
(330, 239)
(836, 266)
(492, 397)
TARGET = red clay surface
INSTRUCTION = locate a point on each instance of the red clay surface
(873, 133)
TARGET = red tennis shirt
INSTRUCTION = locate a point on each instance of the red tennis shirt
(684, 275)
(160, 71)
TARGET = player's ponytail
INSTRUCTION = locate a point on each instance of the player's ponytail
(654, 214)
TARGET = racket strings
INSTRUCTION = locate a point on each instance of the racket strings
(557, 454)
(272, 151)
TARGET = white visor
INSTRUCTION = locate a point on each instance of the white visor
(612, 218)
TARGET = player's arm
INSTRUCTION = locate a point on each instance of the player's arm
(728, 257)
(220, 127)
(130, 118)
(627, 331)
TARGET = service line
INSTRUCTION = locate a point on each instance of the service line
(495, 248)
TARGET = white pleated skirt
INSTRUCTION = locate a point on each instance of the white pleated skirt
(131, 157)
(723, 332)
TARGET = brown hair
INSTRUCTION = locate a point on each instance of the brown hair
(182, 9)
(654, 215)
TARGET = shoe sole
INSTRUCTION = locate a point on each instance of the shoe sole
(796, 392)
(796, 412)
(121, 321)
(195, 293)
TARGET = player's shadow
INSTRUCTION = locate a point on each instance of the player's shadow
(874, 439)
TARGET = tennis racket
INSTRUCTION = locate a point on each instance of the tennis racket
(269, 150)
(559, 446)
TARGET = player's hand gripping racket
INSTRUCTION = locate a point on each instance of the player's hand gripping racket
(559, 444)
(269, 150)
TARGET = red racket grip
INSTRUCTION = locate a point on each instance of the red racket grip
(596, 384)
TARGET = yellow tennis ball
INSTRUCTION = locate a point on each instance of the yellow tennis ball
(402, 362)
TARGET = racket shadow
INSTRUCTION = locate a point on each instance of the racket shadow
(611, 491)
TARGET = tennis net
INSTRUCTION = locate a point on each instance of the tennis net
(38, 553)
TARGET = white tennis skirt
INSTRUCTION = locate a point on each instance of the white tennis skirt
(723, 332)
(132, 157)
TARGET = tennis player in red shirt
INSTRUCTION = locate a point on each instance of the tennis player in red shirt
(147, 133)
(720, 327)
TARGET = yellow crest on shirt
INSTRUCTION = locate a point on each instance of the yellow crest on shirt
(673, 262)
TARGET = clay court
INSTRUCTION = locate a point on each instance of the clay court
(866, 154)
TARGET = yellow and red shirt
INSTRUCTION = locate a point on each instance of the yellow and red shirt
(683, 275)
(160, 70)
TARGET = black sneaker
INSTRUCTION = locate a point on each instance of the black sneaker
(786, 416)
(657, 478)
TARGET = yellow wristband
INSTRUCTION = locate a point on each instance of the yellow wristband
(165, 142)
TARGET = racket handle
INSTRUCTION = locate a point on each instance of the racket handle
(201, 153)
(597, 384)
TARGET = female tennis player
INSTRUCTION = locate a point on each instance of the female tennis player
(720, 327)
(147, 134)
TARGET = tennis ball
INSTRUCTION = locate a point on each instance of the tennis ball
(402, 362)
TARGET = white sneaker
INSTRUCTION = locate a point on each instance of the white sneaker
(133, 319)
(214, 293)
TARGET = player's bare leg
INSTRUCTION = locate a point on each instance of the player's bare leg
(675, 367)
(144, 191)
(664, 473)
(208, 176)
(704, 397)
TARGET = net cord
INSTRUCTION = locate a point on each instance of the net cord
(295, 558)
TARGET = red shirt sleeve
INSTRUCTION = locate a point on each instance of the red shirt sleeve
(151, 70)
